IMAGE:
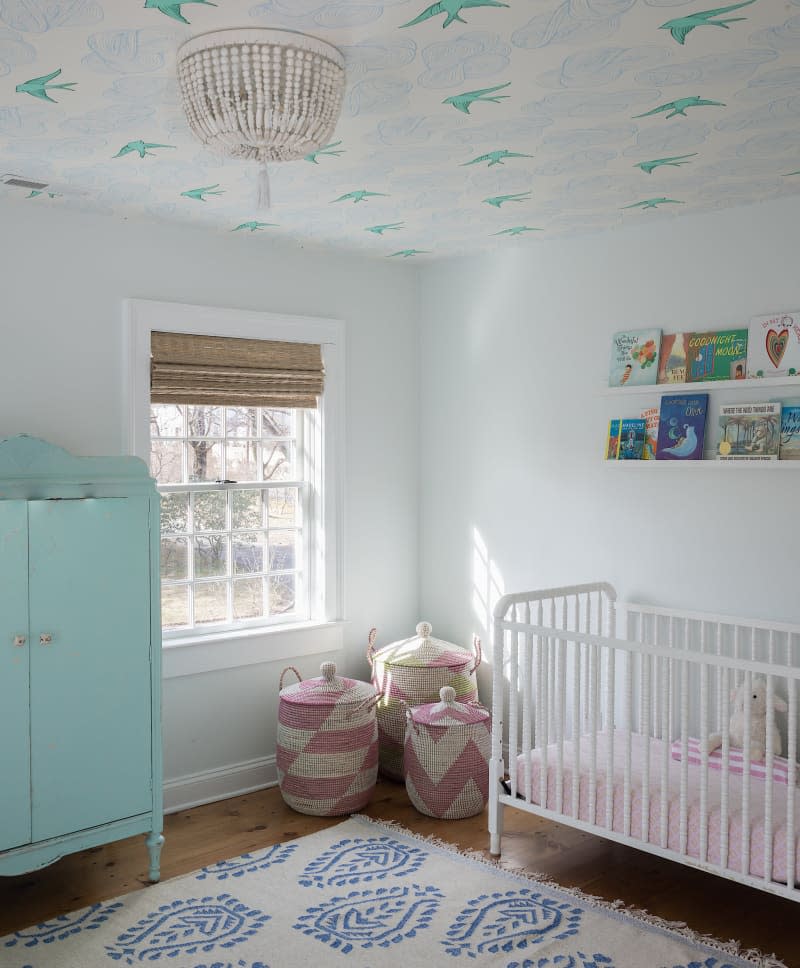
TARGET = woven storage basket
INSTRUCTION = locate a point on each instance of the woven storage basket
(411, 672)
(327, 743)
(447, 750)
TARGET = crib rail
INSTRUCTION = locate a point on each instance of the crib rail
(631, 738)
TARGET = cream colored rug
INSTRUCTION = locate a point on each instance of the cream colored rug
(360, 895)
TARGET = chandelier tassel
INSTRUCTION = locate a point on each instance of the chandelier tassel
(263, 202)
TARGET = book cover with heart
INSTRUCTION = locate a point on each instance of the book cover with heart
(773, 345)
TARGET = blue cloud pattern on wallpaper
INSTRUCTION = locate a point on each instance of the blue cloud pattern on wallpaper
(603, 65)
(784, 37)
(771, 84)
(778, 115)
(129, 51)
(586, 105)
(672, 140)
(16, 122)
(409, 130)
(463, 59)
(307, 14)
(572, 22)
(377, 94)
(14, 51)
(39, 16)
(115, 117)
(375, 55)
(733, 66)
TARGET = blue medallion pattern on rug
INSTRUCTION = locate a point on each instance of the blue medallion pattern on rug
(708, 963)
(504, 921)
(248, 863)
(578, 960)
(234, 964)
(186, 927)
(63, 926)
(369, 919)
(357, 861)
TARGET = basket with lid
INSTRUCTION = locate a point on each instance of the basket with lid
(411, 672)
(327, 751)
(447, 750)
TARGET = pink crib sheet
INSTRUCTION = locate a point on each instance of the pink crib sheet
(638, 745)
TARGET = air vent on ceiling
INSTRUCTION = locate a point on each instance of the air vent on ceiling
(16, 182)
(59, 189)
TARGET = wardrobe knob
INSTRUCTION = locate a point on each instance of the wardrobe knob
(45, 638)
(19, 640)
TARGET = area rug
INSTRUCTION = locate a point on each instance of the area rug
(361, 895)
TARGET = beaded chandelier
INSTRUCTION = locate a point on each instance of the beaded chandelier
(261, 94)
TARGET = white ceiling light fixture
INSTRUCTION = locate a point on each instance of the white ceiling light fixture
(261, 94)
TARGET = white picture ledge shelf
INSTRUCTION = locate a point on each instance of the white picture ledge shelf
(756, 386)
(718, 465)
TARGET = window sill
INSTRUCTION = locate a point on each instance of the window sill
(196, 654)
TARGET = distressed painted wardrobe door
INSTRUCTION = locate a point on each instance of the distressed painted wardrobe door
(90, 662)
(15, 795)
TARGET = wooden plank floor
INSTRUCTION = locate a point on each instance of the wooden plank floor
(211, 833)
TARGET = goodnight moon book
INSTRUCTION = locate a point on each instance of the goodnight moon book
(681, 426)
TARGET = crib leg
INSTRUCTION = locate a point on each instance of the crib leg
(495, 807)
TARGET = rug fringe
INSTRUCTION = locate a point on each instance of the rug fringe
(731, 947)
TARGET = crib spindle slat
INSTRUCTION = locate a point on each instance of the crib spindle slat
(724, 808)
(525, 640)
(770, 764)
(684, 803)
(703, 758)
(626, 781)
(791, 789)
(748, 693)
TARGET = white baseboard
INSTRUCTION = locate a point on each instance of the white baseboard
(195, 789)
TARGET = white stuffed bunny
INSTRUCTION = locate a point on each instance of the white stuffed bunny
(757, 740)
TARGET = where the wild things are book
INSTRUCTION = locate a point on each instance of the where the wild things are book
(717, 356)
(681, 426)
(773, 347)
(672, 359)
(634, 357)
(749, 431)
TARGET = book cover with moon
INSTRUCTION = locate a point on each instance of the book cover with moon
(681, 426)
(749, 431)
(634, 358)
(773, 345)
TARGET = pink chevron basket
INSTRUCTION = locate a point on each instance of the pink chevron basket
(447, 750)
(327, 753)
(411, 672)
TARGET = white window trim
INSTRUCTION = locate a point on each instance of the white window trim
(243, 647)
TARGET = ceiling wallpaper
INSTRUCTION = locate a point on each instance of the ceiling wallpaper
(466, 124)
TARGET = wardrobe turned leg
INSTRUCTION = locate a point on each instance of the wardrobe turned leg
(155, 841)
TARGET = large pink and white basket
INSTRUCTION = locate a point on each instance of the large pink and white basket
(327, 751)
(411, 672)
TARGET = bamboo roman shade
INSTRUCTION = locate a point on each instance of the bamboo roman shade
(234, 372)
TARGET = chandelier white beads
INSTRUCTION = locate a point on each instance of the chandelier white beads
(261, 94)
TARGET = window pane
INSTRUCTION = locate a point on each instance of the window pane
(248, 553)
(166, 461)
(246, 510)
(210, 602)
(174, 606)
(282, 506)
(277, 423)
(209, 510)
(276, 459)
(204, 421)
(205, 460)
(241, 460)
(248, 598)
(281, 593)
(241, 422)
(282, 555)
(210, 556)
(174, 558)
(174, 513)
(166, 420)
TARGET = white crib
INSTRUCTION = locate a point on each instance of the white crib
(607, 733)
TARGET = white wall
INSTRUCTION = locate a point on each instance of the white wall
(63, 277)
(515, 493)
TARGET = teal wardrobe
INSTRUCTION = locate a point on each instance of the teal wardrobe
(80, 654)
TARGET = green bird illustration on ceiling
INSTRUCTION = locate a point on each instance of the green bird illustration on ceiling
(498, 200)
(39, 86)
(361, 195)
(324, 150)
(199, 193)
(681, 27)
(36, 193)
(680, 106)
(380, 229)
(451, 10)
(649, 166)
(517, 230)
(172, 8)
(790, 173)
(462, 102)
(495, 158)
(653, 203)
(254, 226)
(141, 148)
(408, 253)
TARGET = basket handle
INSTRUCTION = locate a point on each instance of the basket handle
(367, 705)
(409, 718)
(289, 669)
(476, 645)
(373, 635)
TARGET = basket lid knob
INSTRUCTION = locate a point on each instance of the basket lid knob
(424, 630)
(328, 670)
(447, 694)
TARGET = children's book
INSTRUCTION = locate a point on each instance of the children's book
(634, 358)
(681, 426)
(749, 431)
(650, 417)
(612, 440)
(773, 347)
(672, 358)
(790, 431)
(717, 356)
(631, 439)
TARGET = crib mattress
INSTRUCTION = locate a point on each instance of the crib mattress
(735, 860)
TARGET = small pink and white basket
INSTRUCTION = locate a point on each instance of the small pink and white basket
(447, 751)
(327, 751)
